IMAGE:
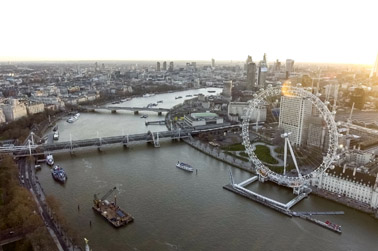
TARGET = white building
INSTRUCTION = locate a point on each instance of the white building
(294, 115)
(350, 183)
(14, 110)
(239, 109)
(202, 119)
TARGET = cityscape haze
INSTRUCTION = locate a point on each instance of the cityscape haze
(311, 31)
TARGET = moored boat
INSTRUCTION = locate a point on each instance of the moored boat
(50, 160)
(59, 174)
(184, 166)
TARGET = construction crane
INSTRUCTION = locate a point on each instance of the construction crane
(96, 200)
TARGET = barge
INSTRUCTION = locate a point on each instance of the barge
(111, 211)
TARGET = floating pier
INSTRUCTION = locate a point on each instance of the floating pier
(285, 208)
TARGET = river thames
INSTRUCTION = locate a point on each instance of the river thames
(176, 210)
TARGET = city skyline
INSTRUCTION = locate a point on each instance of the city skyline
(167, 30)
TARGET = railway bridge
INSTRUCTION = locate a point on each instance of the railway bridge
(136, 110)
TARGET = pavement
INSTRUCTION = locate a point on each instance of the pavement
(342, 200)
(31, 183)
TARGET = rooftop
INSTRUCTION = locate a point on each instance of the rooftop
(203, 115)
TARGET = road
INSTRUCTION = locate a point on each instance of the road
(28, 180)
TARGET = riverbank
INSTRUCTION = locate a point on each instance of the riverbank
(217, 154)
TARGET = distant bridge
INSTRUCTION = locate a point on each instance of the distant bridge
(136, 110)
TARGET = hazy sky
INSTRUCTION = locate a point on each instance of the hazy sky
(304, 30)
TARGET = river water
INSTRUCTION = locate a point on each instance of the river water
(176, 210)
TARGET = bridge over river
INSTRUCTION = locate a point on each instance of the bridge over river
(136, 110)
(31, 148)
(149, 137)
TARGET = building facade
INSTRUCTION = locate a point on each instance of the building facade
(349, 183)
(35, 108)
(294, 118)
(251, 75)
(14, 110)
(227, 89)
(237, 111)
(202, 119)
(289, 66)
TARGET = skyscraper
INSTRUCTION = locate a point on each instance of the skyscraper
(249, 60)
(227, 89)
(294, 118)
(289, 66)
(277, 66)
(158, 66)
(164, 66)
(170, 66)
(263, 70)
(251, 75)
(213, 62)
(374, 70)
(264, 59)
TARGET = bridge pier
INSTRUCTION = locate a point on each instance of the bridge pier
(136, 112)
(160, 113)
(262, 179)
(114, 111)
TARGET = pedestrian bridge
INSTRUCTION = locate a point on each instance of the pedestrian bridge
(30, 146)
(149, 137)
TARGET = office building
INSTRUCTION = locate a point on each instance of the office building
(277, 66)
(251, 75)
(289, 67)
(316, 132)
(294, 118)
(170, 66)
(263, 70)
(227, 89)
(158, 66)
(213, 62)
(164, 66)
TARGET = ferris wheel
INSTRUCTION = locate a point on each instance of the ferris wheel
(264, 172)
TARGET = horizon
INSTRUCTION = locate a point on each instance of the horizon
(315, 31)
(84, 61)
